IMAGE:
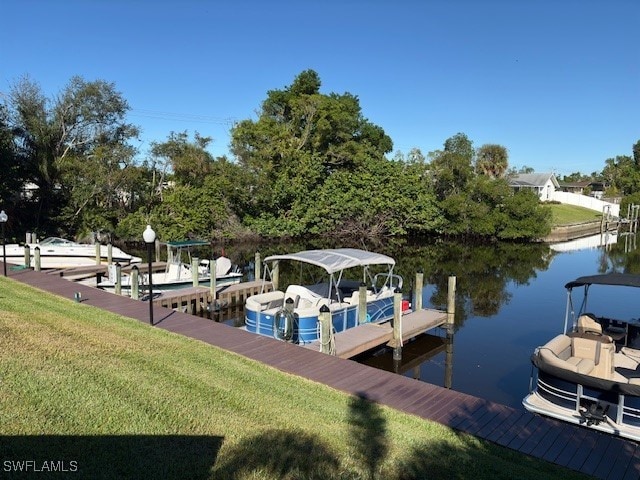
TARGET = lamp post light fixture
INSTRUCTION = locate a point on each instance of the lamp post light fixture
(150, 237)
(3, 219)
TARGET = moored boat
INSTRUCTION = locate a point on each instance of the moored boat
(178, 271)
(590, 373)
(292, 314)
(56, 252)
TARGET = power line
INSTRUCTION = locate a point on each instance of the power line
(182, 117)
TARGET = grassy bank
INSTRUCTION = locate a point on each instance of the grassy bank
(110, 397)
(564, 214)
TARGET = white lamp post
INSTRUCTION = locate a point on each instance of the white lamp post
(3, 219)
(149, 238)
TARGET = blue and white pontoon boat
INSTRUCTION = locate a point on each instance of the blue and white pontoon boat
(590, 373)
(265, 313)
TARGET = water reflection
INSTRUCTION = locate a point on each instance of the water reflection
(414, 353)
(510, 298)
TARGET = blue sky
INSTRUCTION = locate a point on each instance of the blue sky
(557, 82)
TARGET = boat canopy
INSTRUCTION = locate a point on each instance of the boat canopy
(617, 279)
(336, 260)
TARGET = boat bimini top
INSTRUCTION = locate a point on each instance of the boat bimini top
(611, 279)
(336, 260)
(617, 279)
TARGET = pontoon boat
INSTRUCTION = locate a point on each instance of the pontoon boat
(590, 374)
(265, 314)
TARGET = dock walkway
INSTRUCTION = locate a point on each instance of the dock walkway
(354, 341)
(584, 450)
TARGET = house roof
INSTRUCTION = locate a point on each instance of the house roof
(581, 184)
(533, 179)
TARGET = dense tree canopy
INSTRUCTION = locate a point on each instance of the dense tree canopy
(310, 164)
(71, 147)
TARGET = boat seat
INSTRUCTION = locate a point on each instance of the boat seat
(265, 301)
(581, 353)
(301, 295)
(558, 353)
(223, 266)
(587, 323)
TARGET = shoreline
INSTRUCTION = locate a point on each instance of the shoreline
(573, 231)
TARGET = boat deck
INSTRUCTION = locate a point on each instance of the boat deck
(581, 449)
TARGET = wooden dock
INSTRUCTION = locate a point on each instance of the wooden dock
(88, 271)
(195, 300)
(357, 340)
(584, 450)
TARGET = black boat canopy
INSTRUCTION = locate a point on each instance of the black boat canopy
(618, 279)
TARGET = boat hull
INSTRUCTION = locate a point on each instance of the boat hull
(162, 285)
(305, 328)
(571, 402)
(67, 257)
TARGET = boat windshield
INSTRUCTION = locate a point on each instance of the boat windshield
(57, 241)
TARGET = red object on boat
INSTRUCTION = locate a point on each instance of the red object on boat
(405, 305)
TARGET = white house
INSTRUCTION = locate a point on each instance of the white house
(544, 184)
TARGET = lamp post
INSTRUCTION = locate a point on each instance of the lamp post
(150, 237)
(3, 220)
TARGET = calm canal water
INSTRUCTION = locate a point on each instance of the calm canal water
(509, 299)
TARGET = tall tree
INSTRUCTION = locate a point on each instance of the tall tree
(492, 160)
(83, 118)
(622, 174)
(11, 165)
(189, 160)
(301, 138)
(636, 153)
(452, 167)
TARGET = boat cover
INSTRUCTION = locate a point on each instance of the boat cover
(337, 259)
(618, 279)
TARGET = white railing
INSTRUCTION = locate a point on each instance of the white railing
(586, 202)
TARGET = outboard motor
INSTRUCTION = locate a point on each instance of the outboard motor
(594, 413)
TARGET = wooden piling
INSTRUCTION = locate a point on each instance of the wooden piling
(256, 267)
(27, 255)
(275, 275)
(362, 304)
(109, 254)
(135, 286)
(326, 330)
(451, 301)
(417, 304)
(97, 246)
(212, 284)
(36, 259)
(397, 320)
(195, 277)
(118, 282)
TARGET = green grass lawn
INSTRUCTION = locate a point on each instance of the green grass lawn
(109, 397)
(567, 214)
